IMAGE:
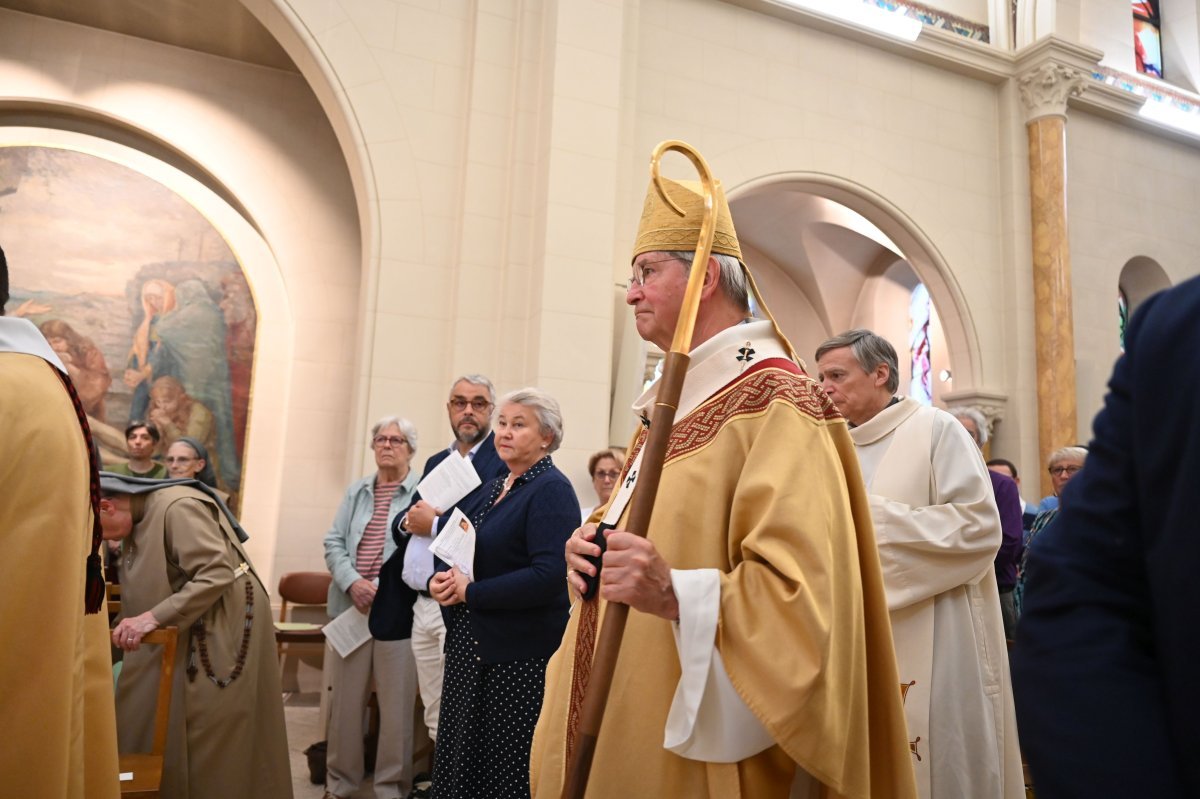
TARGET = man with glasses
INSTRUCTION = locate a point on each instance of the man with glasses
(469, 408)
(757, 570)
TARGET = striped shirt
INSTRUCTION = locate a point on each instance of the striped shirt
(369, 560)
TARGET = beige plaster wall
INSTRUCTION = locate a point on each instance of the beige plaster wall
(1127, 195)
(486, 139)
(262, 136)
(783, 98)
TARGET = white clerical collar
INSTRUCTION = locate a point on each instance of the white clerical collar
(885, 421)
(21, 335)
(716, 363)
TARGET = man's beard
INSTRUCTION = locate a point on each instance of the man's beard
(466, 437)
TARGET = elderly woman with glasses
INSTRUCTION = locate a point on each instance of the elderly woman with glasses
(1064, 464)
(187, 458)
(507, 617)
(356, 547)
(604, 467)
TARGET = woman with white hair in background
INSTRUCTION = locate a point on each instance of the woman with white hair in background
(356, 547)
(1065, 463)
(506, 619)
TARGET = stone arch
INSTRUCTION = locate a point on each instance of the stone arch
(914, 247)
(1141, 276)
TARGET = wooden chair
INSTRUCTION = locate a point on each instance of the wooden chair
(147, 767)
(113, 593)
(301, 588)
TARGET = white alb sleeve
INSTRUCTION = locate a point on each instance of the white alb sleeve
(708, 719)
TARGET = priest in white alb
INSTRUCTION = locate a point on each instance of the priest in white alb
(938, 532)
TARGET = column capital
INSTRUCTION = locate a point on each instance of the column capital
(991, 404)
(1045, 89)
(1049, 72)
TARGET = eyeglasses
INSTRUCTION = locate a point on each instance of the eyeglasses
(1059, 471)
(179, 459)
(608, 475)
(477, 404)
(644, 273)
(389, 441)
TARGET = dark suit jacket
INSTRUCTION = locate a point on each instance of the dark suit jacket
(391, 613)
(1108, 646)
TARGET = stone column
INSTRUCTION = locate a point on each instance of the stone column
(1044, 92)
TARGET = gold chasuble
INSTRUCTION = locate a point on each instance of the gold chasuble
(57, 698)
(761, 484)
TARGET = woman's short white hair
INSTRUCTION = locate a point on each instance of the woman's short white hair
(546, 408)
(407, 429)
(1067, 454)
(965, 412)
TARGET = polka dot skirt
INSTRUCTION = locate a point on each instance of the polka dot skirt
(486, 726)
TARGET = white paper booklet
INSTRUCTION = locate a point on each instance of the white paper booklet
(348, 631)
(455, 544)
(449, 482)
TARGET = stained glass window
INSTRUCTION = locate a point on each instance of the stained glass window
(920, 312)
(1147, 38)
(1122, 315)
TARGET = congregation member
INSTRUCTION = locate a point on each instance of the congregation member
(1008, 504)
(141, 442)
(505, 620)
(1106, 654)
(187, 459)
(55, 665)
(1009, 470)
(356, 547)
(938, 533)
(183, 566)
(758, 569)
(604, 467)
(410, 612)
(1062, 465)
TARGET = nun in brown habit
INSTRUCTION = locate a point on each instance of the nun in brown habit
(183, 565)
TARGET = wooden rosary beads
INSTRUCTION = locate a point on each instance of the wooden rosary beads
(199, 638)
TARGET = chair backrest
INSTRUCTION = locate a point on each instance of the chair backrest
(303, 588)
(167, 637)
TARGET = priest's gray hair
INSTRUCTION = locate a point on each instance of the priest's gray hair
(964, 412)
(545, 407)
(732, 280)
(869, 350)
(407, 429)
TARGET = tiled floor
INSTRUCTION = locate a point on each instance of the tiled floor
(302, 714)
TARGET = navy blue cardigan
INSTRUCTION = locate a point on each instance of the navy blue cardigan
(519, 601)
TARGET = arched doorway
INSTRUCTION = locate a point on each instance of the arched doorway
(832, 255)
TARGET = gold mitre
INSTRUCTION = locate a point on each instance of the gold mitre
(663, 229)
